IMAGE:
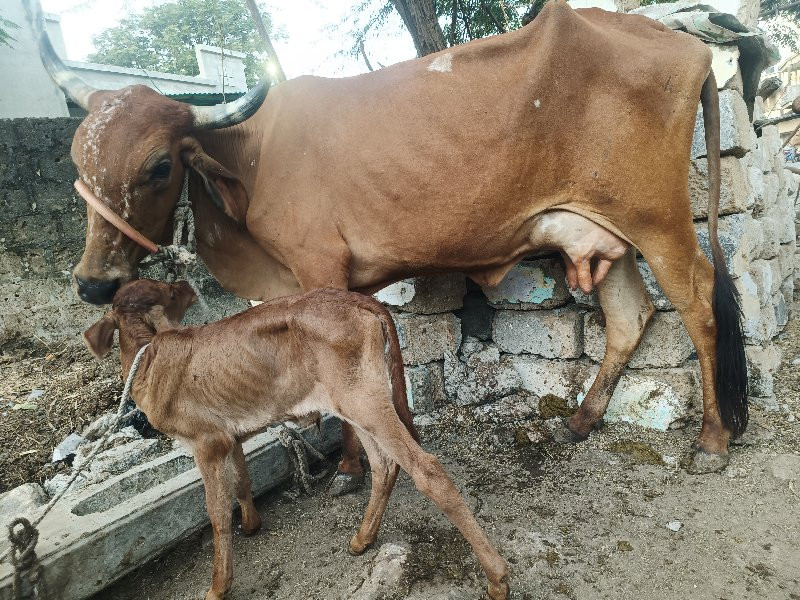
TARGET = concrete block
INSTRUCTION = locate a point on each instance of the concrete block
(117, 526)
(425, 387)
(735, 194)
(549, 333)
(760, 325)
(516, 407)
(787, 290)
(781, 308)
(735, 127)
(562, 378)
(482, 376)
(657, 399)
(765, 192)
(770, 238)
(426, 295)
(665, 343)
(22, 501)
(531, 285)
(654, 290)
(768, 146)
(425, 338)
(762, 362)
(585, 300)
(786, 259)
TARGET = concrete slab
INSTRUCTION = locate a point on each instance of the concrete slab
(92, 538)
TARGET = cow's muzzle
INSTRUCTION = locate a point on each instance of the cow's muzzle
(97, 291)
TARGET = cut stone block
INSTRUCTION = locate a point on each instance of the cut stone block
(657, 295)
(22, 501)
(665, 344)
(735, 194)
(425, 338)
(531, 285)
(762, 362)
(476, 316)
(549, 333)
(768, 145)
(735, 127)
(426, 295)
(481, 377)
(585, 300)
(562, 378)
(425, 387)
(657, 399)
(735, 237)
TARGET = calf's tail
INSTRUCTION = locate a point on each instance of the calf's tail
(731, 373)
(394, 364)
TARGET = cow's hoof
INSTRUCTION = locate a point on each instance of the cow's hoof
(707, 462)
(344, 483)
(251, 527)
(498, 591)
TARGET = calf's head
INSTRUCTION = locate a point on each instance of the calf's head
(144, 307)
(132, 150)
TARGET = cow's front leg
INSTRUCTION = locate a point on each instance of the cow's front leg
(332, 270)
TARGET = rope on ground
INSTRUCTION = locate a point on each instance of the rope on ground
(26, 540)
(297, 445)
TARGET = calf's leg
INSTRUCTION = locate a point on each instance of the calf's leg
(384, 474)
(251, 520)
(382, 424)
(214, 460)
(627, 309)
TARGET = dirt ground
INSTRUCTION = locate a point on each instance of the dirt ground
(583, 521)
(46, 393)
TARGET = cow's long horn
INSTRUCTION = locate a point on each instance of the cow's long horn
(72, 85)
(225, 115)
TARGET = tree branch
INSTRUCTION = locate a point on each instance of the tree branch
(765, 13)
(262, 31)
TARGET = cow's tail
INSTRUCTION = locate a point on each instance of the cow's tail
(731, 374)
(394, 364)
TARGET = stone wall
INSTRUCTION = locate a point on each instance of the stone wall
(42, 228)
(531, 336)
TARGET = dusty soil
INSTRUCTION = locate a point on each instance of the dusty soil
(583, 521)
(46, 393)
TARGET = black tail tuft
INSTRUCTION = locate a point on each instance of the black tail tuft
(731, 377)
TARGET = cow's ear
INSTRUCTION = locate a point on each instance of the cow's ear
(225, 189)
(158, 319)
(100, 337)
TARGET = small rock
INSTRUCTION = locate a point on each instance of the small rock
(624, 546)
(98, 428)
(22, 501)
(796, 362)
(516, 407)
(384, 575)
(786, 467)
(66, 449)
(674, 525)
(58, 483)
(35, 394)
(734, 473)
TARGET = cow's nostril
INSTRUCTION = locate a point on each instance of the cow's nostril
(97, 291)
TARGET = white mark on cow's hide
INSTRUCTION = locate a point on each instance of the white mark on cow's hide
(537, 103)
(442, 64)
(253, 163)
(550, 224)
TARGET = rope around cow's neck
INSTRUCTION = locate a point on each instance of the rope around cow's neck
(24, 542)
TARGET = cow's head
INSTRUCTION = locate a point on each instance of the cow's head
(132, 151)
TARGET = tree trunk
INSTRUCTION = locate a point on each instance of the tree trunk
(420, 19)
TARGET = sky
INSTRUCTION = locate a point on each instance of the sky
(309, 44)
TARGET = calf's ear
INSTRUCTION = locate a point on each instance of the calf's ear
(225, 189)
(185, 293)
(100, 337)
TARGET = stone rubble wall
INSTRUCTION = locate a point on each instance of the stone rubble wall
(42, 232)
(531, 336)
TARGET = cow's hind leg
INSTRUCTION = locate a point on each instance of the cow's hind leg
(627, 309)
(708, 306)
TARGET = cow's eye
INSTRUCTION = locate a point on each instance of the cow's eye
(161, 171)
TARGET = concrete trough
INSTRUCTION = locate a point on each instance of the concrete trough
(94, 537)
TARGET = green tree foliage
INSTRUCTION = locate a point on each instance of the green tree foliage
(162, 38)
(781, 20)
(5, 26)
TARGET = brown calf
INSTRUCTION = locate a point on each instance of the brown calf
(213, 386)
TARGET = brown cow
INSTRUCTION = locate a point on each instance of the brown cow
(211, 387)
(572, 133)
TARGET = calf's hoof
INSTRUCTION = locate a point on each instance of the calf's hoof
(212, 595)
(707, 462)
(498, 591)
(252, 525)
(344, 483)
(356, 547)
